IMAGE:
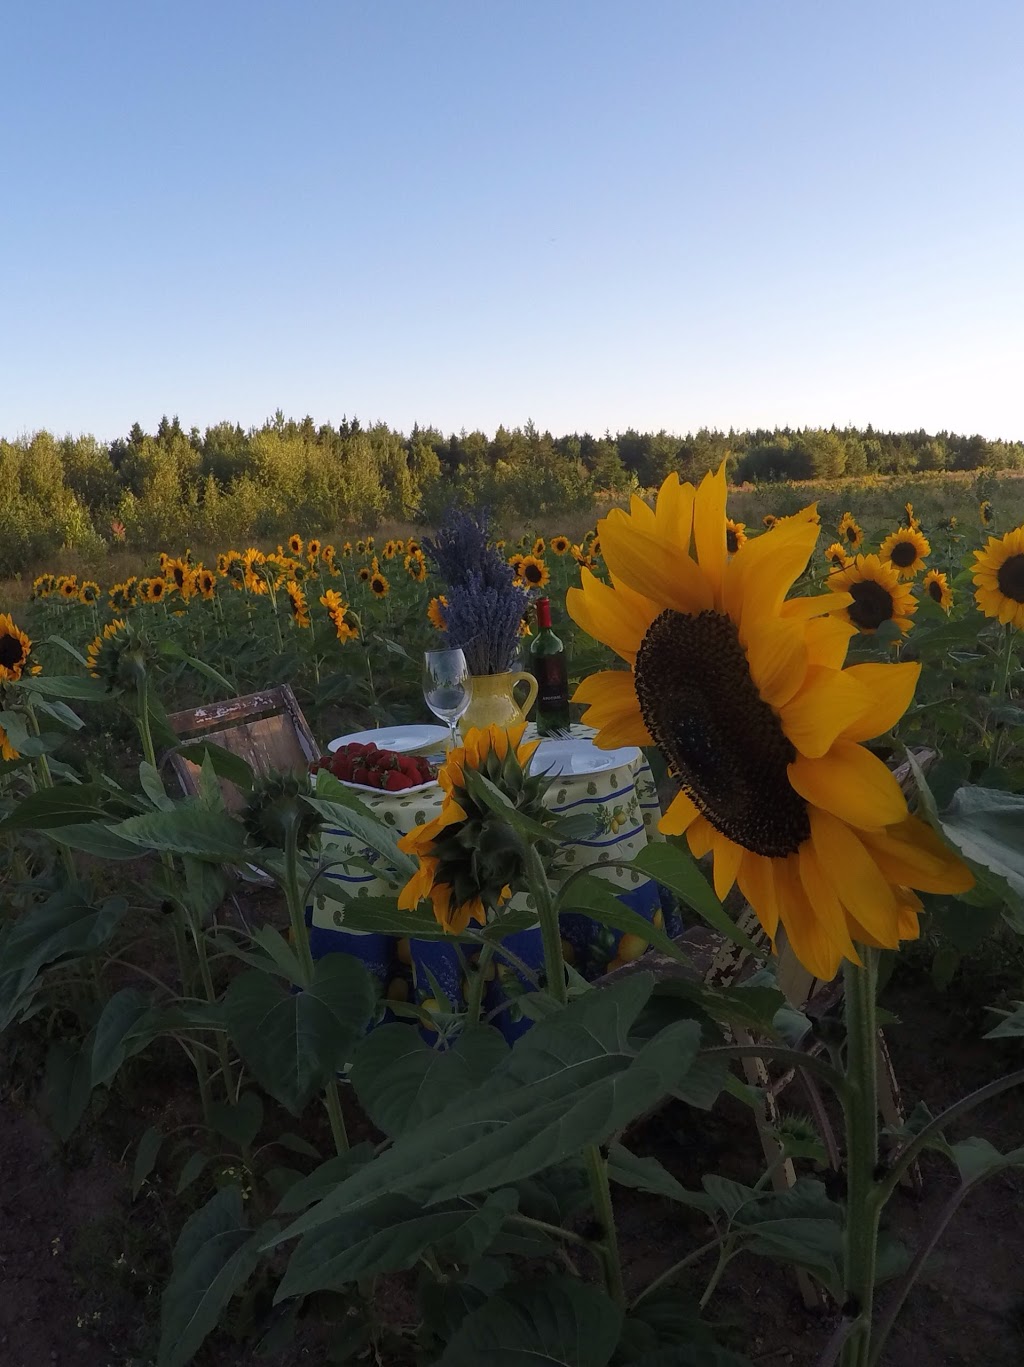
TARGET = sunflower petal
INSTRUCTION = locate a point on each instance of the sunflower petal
(890, 689)
(852, 784)
(700, 834)
(826, 904)
(763, 571)
(757, 884)
(680, 814)
(674, 511)
(816, 605)
(777, 655)
(709, 528)
(828, 639)
(912, 855)
(805, 931)
(855, 876)
(651, 566)
(613, 709)
(728, 857)
(828, 701)
(618, 617)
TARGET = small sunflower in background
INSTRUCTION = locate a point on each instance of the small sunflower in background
(949, 524)
(295, 543)
(344, 621)
(416, 566)
(500, 545)
(850, 533)
(878, 594)
(312, 551)
(999, 578)
(935, 585)
(560, 544)
(594, 549)
(346, 550)
(435, 613)
(516, 561)
(533, 572)
(908, 519)
(539, 547)
(15, 648)
(907, 549)
(364, 573)
(179, 573)
(735, 535)
(68, 587)
(985, 513)
(400, 547)
(768, 521)
(390, 550)
(837, 557)
(122, 596)
(43, 586)
(7, 750)
(297, 603)
(206, 582)
(152, 590)
(88, 592)
(360, 547)
(379, 586)
(412, 545)
(95, 648)
(369, 545)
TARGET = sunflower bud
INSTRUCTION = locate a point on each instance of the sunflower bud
(276, 807)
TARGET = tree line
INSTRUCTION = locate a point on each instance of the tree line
(229, 484)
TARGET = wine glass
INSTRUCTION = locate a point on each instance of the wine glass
(447, 686)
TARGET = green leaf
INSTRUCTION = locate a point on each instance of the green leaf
(174, 651)
(76, 686)
(214, 1257)
(596, 897)
(145, 1158)
(294, 1041)
(555, 1320)
(60, 806)
(976, 1158)
(647, 1174)
(1012, 1024)
(191, 1171)
(224, 763)
(239, 1123)
(189, 829)
(67, 1085)
(153, 786)
(571, 1080)
(987, 827)
(389, 1236)
(60, 712)
(676, 870)
(366, 830)
(297, 1144)
(401, 1081)
(112, 1043)
(93, 838)
(322, 1180)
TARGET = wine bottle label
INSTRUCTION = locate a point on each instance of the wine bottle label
(552, 683)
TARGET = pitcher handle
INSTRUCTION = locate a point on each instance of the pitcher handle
(525, 677)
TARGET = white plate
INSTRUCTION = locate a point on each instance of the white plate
(576, 757)
(383, 792)
(401, 739)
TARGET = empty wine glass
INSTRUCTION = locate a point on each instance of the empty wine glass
(447, 686)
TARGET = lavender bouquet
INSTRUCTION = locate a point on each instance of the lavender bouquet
(485, 609)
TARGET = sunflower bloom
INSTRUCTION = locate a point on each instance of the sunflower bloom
(416, 566)
(735, 535)
(390, 550)
(538, 547)
(295, 544)
(877, 593)
(746, 695)
(906, 549)
(343, 620)
(466, 879)
(435, 613)
(15, 648)
(152, 590)
(206, 582)
(934, 584)
(837, 557)
(7, 750)
(998, 575)
(533, 572)
(850, 533)
(516, 561)
(559, 544)
(985, 512)
(68, 586)
(768, 521)
(297, 603)
(379, 585)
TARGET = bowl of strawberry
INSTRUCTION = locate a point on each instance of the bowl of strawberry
(379, 771)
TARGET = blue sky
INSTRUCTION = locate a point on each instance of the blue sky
(698, 212)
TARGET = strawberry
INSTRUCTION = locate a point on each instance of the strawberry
(395, 781)
(361, 775)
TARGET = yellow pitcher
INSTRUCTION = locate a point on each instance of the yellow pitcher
(493, 703)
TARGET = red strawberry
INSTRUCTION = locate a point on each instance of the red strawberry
(361, 774)
(396, 781)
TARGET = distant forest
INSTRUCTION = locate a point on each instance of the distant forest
(229, 484)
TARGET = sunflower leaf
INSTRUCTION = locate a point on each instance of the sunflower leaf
(676, 870)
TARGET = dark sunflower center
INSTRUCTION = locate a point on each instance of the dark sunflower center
(721, 739)
(1010, 578)
(12, 652)
(935, 589)
(852, 534)
(532, 573)
(731, 542)
(904, 553)
(871, 606)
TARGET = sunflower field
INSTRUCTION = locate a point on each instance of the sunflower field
(833, 715)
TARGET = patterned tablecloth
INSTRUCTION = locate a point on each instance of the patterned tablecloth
(624, 802)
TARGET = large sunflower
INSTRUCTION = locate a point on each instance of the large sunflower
(746, 695)
(999, 578)
(849, 530)
(935, 585)
(533, 572)
(465, 874)
(877, 593)
(15, 647)
(906, 549)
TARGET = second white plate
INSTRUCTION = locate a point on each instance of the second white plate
(400, 739)
(578, 757)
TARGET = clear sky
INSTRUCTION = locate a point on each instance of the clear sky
(467, 212)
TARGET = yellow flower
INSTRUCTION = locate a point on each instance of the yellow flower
(999, 578)
(379, 586)
(435, 613)
(559, 544)
(451, 872)
(346, 549)
(361, 547)
(985, 512)
(297, 603)
(43, 586)
(538, 547)
(95, 647)
(342, 619)
(364, 572)
(182, 576)
(295, 544)
(906, 550)
(88, 592)
(746, 695)
(768, 521)
(837, 557)
(533, 572)
(389, 550)
(735, 535)
(936, 587)
(416, 566)
(878, 596)
(152, 590)
(68, 585)
(15, 648)
(849, 532)
(206, 582)
(7, 750)
(516, 561)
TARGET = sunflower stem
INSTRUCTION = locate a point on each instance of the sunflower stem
(861, 1113)
(477, 982)
(600, 1194)
(547, 915)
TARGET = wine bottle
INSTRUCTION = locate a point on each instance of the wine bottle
(547, 660)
